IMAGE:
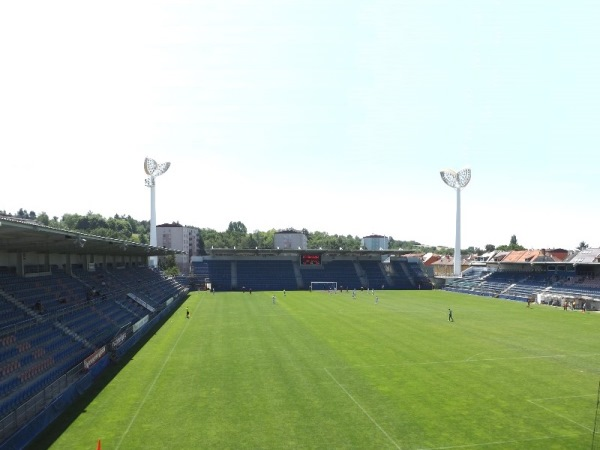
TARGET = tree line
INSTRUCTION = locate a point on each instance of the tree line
(236, 235)
(118, 227)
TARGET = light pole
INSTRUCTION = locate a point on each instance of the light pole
(457, 180)
(153, 170)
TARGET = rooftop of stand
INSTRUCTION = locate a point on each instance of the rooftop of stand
(21, 235)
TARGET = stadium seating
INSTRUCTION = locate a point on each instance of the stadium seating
(278, 274)
(79, 314)
(343, 272)
(374, 274)
(263, 275)
(219, 273)
(522, 285)
(403, 276)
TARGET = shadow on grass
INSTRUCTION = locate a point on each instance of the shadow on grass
(53, 431)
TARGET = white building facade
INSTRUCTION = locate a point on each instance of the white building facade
(290, 239)
(375, 242)
(179, 237)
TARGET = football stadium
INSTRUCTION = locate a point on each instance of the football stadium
(293, 347)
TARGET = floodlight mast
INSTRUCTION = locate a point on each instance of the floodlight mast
(457, 180)
(153, 170)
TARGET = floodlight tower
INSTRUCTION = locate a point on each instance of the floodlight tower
(153, 170)
(457, 180)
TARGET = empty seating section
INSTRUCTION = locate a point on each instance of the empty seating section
(80, 313)
(200, 273)
(342, 272)
(493, 285)
(200, 270)
(523, 285)
(262, 275)
(148, 285)
(32, 358)
(374, 274)
(10, 314)
(582, 285)
(421, 280)
(50, 293)
(220, 275)
(400, 275)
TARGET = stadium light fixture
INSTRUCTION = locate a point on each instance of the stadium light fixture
(153, 170)
(458, 181)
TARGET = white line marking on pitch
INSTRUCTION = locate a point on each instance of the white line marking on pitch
(453, 361)
(563, 396)
(514, 441)
(158, 374)
(362, 409)
(561, 416)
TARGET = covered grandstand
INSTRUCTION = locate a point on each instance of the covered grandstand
(553, 277)
(231, 270)
(69, 302)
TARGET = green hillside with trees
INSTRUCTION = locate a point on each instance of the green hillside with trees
(236, 235)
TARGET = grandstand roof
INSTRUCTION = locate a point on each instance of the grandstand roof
(288, 251)
(18, 235)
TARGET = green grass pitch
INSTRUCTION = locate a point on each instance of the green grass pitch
(322, 371)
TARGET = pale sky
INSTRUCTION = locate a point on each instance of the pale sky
(329, 115)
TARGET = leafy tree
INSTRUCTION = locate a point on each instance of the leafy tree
(490, 248)
(201, 246)
(513, 245)
(43, 218)
(236, 227)
(70, 220)
(120, 226)
(212, 238)
(168, 265)
(411, 246)
(582, 245)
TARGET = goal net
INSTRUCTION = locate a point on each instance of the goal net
(323, 286)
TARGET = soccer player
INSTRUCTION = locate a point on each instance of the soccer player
(450, 318)
(187, 313)
(376, 299)
(273, 298)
